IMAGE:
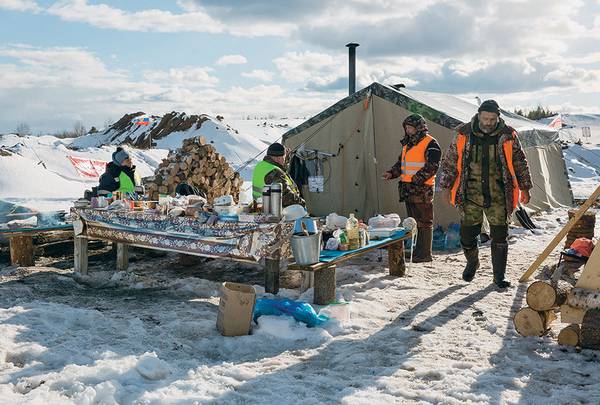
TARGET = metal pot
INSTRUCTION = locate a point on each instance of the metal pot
(306, 249)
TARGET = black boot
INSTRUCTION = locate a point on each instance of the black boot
(472, 256)
(423, 249)
(499, 257)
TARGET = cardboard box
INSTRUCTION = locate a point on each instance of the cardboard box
(235, 309)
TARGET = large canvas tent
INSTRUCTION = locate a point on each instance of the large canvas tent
(363, 133)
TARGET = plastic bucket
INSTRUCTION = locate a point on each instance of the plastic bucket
(306, 249)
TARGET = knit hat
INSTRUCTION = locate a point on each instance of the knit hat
(490, 106)
(417, 121)
(276, 149)
(119, 156)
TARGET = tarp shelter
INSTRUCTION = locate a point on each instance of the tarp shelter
(363, 133)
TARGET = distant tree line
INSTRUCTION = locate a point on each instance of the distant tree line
(78, 130)
(538, 113)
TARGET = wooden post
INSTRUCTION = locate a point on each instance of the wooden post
(122, 256)
(308, 280)
(563, 232)
(396, 260)
(21, 250)
(272, 275)
(80, 255)
(325, 286)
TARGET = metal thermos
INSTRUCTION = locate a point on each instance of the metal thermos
(266, 200)
(276, 199)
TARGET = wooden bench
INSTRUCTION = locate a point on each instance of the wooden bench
(21, 242)
(321, 275)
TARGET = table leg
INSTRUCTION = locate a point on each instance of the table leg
(325, 286)
(308, 281)
(122, 256)
(396, 259)
(272, 275)
(80, 255)
(21, 250)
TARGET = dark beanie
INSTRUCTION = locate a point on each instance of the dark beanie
(490, 106)
(276, 149)
(120, 155)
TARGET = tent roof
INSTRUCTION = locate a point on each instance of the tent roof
(441, 108)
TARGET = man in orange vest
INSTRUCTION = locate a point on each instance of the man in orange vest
(416, 167)
(485, 171)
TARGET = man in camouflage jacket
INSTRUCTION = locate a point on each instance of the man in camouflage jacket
(417, 193)
(492, 177)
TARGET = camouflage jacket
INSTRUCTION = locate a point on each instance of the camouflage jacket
(290, 194)
(416, 191)
(449, 171)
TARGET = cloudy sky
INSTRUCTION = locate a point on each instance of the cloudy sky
(68, 60)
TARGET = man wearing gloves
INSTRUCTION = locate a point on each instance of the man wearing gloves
(416, 168)
(120, 175)
(485, 171)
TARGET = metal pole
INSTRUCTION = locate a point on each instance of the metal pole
(352, 67)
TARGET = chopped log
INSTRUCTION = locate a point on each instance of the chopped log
(569, 314)
(542, 296)
(570, 336)
(590, 329)
(529, 322)
(324, 291)
(21, 250)
(583, 298)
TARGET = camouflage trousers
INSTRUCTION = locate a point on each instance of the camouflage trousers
(472, 214)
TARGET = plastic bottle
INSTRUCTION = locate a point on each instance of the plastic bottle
(352, 233)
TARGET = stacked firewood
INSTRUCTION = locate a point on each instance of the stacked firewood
(197, 164)
(579, 309)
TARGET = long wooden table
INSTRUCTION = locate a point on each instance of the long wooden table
(321, 275)
(244, 242)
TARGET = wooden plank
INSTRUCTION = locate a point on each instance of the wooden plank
(21, 250)
(122, 256)
(590, 276)
(396, 260)
(272, 276)
(563, 232)
(569, 314)
(80, 254)
(325, 286)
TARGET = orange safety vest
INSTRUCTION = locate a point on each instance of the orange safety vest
(413, 160)
(461, 143)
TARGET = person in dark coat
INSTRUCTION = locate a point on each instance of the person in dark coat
(120, 175)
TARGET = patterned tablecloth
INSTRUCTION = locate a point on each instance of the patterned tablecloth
(234, 240)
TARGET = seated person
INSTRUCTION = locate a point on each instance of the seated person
(120, 175)
(272, 170)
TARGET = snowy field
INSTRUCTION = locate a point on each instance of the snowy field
(149, 336)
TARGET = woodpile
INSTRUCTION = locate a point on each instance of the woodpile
(584, 228)
(197, 164)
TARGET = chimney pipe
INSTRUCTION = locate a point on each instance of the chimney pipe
(352, 67)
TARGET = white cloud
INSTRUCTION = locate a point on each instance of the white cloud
(20, 5)
(231, 60)
(187, 76)
(259, 74)
(105, 16)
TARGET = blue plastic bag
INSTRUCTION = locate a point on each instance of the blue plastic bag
(439, 239)
(300, 311)
(453, 237)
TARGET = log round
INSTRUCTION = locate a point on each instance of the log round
(590, 329)
(542, 296)
(529, 322)
(570, 336)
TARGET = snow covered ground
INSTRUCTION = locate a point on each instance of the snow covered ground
(149, 336)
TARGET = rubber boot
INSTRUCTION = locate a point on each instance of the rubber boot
(423, 249)
(472, 256)
(499, 257)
